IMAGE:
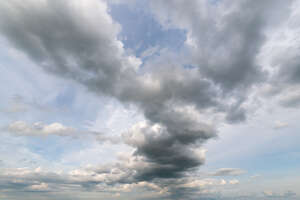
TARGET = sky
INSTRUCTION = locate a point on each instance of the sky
(149, 100)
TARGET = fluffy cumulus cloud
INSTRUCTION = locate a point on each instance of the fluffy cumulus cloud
(224, 64)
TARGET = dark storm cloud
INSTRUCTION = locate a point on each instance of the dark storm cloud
(78, 40)
(167, 154)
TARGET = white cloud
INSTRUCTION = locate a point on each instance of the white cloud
(280, 125)
(234, 181)
(39, 129)
(39, 187)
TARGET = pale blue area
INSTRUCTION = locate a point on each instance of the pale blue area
(140, 30)
(267, 152)
(53, 147)
(65, 97)
(46, 99)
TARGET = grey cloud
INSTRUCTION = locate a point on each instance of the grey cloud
(282, 55)
(23, 179)
(290, 72)
(168, 154)
(236, 113)
(81, 45)
(291, 101)
(62, 38)
(225, 46)
(39, 182)
(78, 40)
(228, 172)
(224, 40)
(290, 194)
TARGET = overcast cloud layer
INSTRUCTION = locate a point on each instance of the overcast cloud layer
(235, 57)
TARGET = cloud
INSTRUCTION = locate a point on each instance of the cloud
(271, 194)
(39, 187)
(39, 129)
(234, 182)
(228, 172)
(98, 61)
(223, 45)
(202, 183)
(95, 58)
(23, 179)
(280, 55)
(223, 40)
(290, 100)
(167, 154)
(40, 180)
(183, 108)
(280, 125)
